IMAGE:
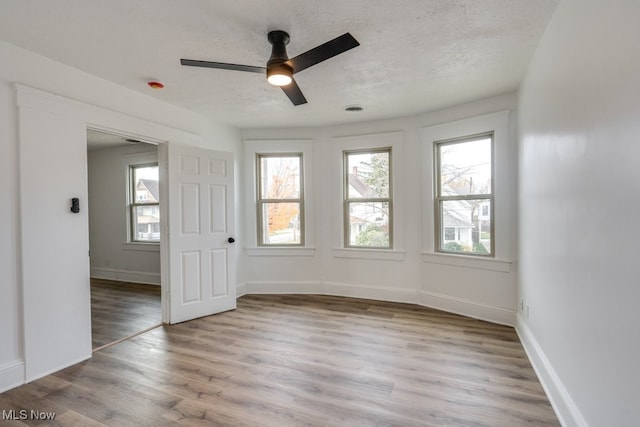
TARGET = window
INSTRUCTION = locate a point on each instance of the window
(144, 203)
(367, 198)
(280, 200)
(449, 234)
(464, 195)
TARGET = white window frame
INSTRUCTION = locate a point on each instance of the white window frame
(395, 140)
(348, 201)
(260, 202)
(504, 186)
(440, 199)
(132, 204)
(253, 147)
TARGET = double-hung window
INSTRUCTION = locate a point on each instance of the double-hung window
(368, 206)
(280, 199)
(144, 203)
(464, 195)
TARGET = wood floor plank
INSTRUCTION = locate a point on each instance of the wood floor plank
(74, 419)
(295, 360)
(120, 309)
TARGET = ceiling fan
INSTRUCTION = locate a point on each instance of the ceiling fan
(280, 69)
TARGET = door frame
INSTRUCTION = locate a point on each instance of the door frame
(164, 208)
(107, 120)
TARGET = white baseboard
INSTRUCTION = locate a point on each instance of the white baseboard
(266, 287)
(328, 288)
(468, 308)
(126, 275)
(241, 290)
(379, 293)
(564, 406)
(11, 375)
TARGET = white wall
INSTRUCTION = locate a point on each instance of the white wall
(54, 267)
(11, 369)
(411, 273)
(142, 112)
(112, 256)
(579, 116)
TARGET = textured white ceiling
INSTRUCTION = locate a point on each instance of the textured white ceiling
(415, 55)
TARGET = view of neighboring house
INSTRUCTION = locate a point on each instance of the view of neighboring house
(363, 214)
(147, 216)
(458, 223)
(366, 215)
(465, 223)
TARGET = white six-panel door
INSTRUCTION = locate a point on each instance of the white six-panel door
(201, 233)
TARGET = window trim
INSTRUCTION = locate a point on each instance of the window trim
(253, 146)
(439, 199)
(347, 200)
(260, 202)
(394, 139)
(133, 204)
(505, 169)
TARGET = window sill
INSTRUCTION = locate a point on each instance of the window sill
(491, 264)
(141, 247)
(280, 251)
(377, 254)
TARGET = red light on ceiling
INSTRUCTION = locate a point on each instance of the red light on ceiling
(155, 84)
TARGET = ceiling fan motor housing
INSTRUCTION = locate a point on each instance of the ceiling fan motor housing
(279, 40)
(276, 65)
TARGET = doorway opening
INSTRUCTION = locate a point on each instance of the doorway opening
(124, 237)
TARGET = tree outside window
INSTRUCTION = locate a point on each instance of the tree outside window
(368, 203)
(280, 200)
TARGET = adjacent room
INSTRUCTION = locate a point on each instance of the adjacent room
(124, 237)
(319, 213)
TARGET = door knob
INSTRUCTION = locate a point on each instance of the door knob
(231, 240)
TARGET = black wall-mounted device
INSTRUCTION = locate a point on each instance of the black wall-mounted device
(75, 205)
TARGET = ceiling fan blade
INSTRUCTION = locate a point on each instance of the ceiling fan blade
(223, 65)
(292, 90)
(323, 52)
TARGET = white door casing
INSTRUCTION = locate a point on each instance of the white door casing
(201, 224)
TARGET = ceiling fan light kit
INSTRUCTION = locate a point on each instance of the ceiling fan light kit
(279, 74)
(280, 69)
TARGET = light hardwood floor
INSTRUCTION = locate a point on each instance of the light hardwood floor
(302, 360)
(121, 309)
